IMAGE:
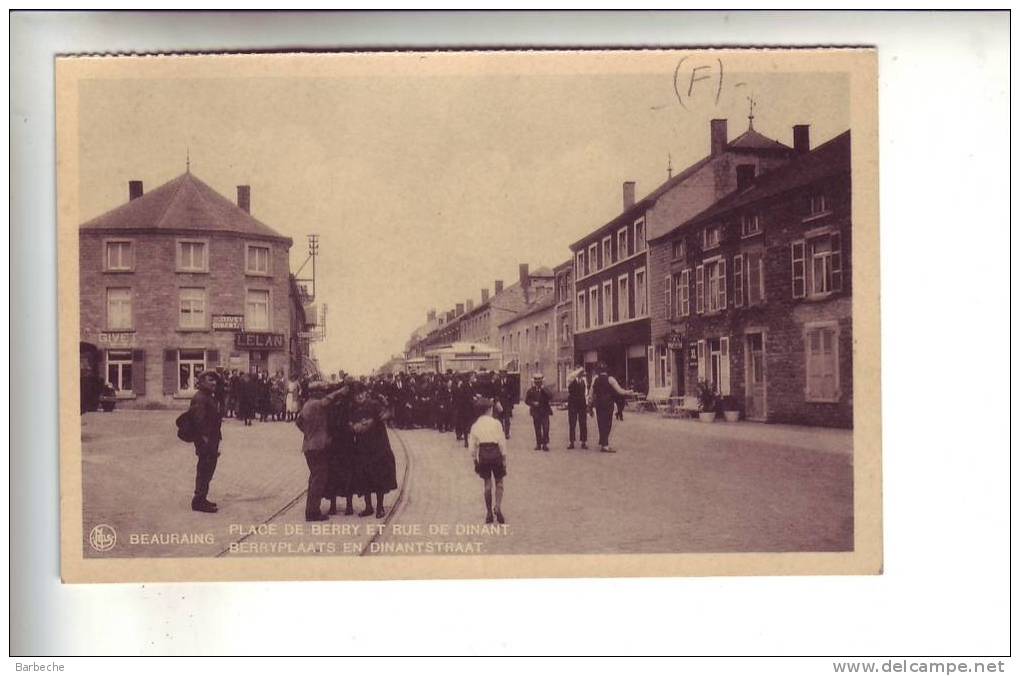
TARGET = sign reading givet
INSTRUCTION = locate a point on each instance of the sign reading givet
(259, 341)
(228, 322)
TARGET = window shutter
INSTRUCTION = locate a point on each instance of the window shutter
(701, 360)
(815, 376)
(169, 371)
(738, 280)
(724, 350)
(837, 262)
(668, 289)
(138, 372)
(212, 358)
(797, 253)
(685, 292)
(722, 284)
(699, 291)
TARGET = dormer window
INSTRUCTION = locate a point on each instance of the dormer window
(750, 224)
(712, 236)
(678, 249)
(819, 205)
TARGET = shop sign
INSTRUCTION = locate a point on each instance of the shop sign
(692, 356)
(117, 338)
(228, 322)
(259, 341)
(675, 340)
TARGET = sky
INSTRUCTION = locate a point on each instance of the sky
(426, 184)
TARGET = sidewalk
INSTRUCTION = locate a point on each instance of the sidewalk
(138, 477)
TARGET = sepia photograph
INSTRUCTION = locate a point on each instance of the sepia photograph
(427, 314)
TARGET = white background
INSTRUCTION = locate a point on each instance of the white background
(944, 106)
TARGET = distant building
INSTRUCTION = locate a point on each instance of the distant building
(564, 314)
(179, 280)
(757, 292)
(530, 338)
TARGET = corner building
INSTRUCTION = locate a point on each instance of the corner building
(179, 280)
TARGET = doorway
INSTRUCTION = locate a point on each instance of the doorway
(754, 376)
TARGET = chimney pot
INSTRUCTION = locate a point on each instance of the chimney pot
(431, 315)
(525, 278)
(498, 286)
(718, 136)
(801, 138)
(244, 198)
(745, 175)
(628, 194)
(135, 190)
(470, 305)
(485, 295)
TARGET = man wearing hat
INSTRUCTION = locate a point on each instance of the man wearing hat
(539, 401)
(313, 421)
(503, 390)
(208, 418)
(577, 406)
(602, 396)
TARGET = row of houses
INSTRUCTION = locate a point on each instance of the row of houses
(734, 272)
(182, 279)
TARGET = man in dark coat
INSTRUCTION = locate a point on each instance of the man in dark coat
(313, 420)
(208, 419)
(503, 392)
(603, 396)
(577, 406)
(539, 402)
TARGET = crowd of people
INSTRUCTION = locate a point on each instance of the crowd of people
(344, 422)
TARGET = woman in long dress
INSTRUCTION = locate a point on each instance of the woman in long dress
(292, 398)
(375, 469)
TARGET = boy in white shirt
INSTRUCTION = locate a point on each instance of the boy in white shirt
(488, 450)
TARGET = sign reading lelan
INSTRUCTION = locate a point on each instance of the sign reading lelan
(259, 341)
(228, 322)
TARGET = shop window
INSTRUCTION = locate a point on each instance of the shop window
(256, 317)
(119, 256)
(190, 363)
(192, 309)
(118, 309)
(663, 367)
(118, 370)
(192, 255)
(257, 259)
(822, 367)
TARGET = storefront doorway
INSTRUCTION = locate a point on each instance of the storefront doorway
(258, 362)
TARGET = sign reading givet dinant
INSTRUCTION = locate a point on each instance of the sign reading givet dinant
(740, 266)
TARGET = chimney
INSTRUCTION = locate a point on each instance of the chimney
(485, 295)
(449, 316)
(525, 278)
(498, 286)
(801, 138)
(430, 316)
(628, 194)
(745, 176)
(470, 305)
(244, 198)
(135, 190)
(460, 310)
(718, 136)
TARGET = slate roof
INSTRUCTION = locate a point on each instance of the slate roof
(543, 302)
(829, 159)
(184, 203)
(752, 140)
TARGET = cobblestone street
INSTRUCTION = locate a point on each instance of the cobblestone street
(673, 486)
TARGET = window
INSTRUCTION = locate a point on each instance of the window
(119, 255)
(190, 363)
(817, 265)
(118, 309)
(562, 296)
(607, 302)
(678, 249)
(581, 318)
(593, 257)
(593, 306)
(256, 315)
(738, 280)
(711, 286)
(750, 224)
(683, 293)
(818, 205)
(639, 236)
(714, 363)
(712, 235)
(118, 370)
(822, 353)
(755, 278)
(545, 328)
(622, 299)
(663, 367)
(607, 251)
(257, 259)
(527, 338)
(667, 305)
(192, 310)
(622, 250)
(580, 265)
(192, 255)
(640, 293)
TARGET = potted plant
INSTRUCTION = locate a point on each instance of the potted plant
(731, 412)
(706, 401)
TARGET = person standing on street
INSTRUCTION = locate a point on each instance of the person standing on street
(539, 401)
(208, 419)
(504, 392)
(375, 467)
(313, 421)
(603, 396)
(488, 450)
(577, 406)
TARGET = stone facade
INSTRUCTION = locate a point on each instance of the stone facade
(528, 339)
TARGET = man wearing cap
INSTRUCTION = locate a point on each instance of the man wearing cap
(602, 396)
(539, 401)
(314, 422)
(208, 418)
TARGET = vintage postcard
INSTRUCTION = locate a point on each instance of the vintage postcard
(427, 314)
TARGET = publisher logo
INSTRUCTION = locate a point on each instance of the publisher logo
(103, 538)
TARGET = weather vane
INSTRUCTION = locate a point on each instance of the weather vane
(750, 114)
